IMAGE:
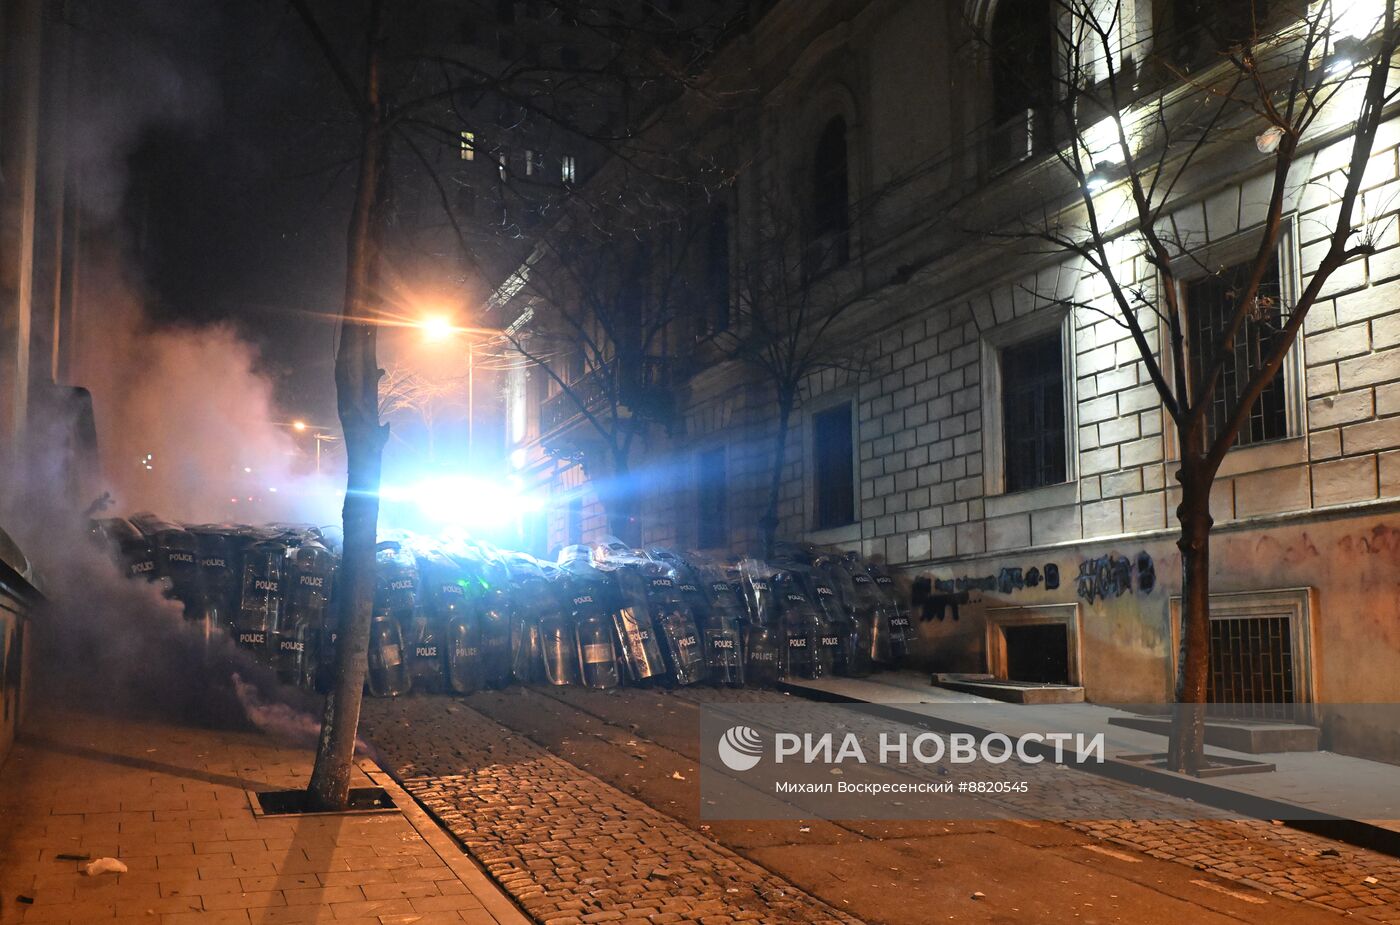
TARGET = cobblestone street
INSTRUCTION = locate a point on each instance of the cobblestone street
(568, 847)
(585, 806)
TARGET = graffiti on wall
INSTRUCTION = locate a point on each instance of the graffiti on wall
(1112, 575)
(1005, 581)
(940, 597)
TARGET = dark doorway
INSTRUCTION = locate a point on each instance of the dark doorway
(1037, 652)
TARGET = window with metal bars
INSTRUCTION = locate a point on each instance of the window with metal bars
(1210, 306)
(1033, 413)
(834, 469)
(1251, 662)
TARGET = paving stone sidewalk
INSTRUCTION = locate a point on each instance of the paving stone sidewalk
(172, 804)
(568, 846)
(1272, 858)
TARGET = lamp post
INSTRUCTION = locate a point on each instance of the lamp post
(318, 433)
(438, 328)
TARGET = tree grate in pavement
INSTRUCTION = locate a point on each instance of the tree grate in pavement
(569, 847)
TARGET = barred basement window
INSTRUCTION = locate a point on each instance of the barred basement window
(834, 470)
(568, 168)
(1210, 304)
(1033, 413)
(468, 151)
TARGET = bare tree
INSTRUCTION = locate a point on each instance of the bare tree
(1129, 145)
(789, 306)
(411, 95)
(405, 393)
(356, 385)
(608, 290)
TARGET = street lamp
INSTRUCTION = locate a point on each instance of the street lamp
(318, 433)
(320, 438)
(439, 328)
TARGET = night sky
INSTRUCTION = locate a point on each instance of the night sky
(236, 201)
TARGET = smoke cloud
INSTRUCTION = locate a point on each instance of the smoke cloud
(186, 422)
(109, 644)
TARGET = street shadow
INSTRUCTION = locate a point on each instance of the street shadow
(144, 764)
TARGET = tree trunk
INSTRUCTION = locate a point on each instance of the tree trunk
(1187, 745)
(769, 524)
(357, 396)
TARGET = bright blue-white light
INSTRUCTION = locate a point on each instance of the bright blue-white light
(466, 500)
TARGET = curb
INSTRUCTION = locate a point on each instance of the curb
(1354, 832)
(497, 903)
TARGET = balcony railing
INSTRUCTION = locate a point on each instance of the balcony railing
(644, 392)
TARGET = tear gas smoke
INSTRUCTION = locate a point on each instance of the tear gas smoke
(281, 719)
(106, 643)
(181, 413)
(186, 422)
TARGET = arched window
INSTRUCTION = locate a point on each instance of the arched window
(1202, 29)
(1022, 74)
(831, 220)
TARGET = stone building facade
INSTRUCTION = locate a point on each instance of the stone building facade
(1063, 568)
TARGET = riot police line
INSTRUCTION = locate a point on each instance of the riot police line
(463, 616)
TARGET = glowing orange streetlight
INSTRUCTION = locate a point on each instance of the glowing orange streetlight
(299, 426)
(437, 328)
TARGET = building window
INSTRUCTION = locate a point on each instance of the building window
(534, 163)
(568, 169)
(712, 500)
(574, 525)
(573, 367)
(717, 271)
(468, 146)
(1033, 413)
(1210, 304)
(1022, 48)
(1201, 29)
(830, 233)
(1022, 35)
(833, 453)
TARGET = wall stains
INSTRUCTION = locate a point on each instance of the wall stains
(935, 605)
(1383, 539)
(1111, 575)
